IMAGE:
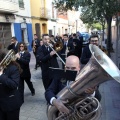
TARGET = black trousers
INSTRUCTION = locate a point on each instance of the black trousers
(46, 82)
(11, 115)
(36, 64)
(21, 86)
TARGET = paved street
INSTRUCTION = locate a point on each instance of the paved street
(34, 107)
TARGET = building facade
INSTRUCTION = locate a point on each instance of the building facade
(40, 15)
(15, 20)
(52, 21)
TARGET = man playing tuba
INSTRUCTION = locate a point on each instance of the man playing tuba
(72, 63)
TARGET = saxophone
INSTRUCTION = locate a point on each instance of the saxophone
(83, 107)
(34, 46)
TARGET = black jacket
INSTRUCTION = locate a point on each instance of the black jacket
(12, 46)
(9, 95)
(43, 56)
(77, 47)
(37, 44)
(86, 55)
(56, 86)
(70, 49)
(24, 64)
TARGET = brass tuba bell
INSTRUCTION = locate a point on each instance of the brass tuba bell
(58, 46)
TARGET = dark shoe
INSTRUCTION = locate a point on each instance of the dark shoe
(35, 68)
(33, 93)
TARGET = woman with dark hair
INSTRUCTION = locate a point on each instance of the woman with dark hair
(10, 101)
(23, 58)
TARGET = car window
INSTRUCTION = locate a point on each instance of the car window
(85, 36)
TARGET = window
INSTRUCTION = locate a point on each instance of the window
(21, 4)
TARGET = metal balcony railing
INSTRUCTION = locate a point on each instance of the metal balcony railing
(71, 23)
(45, 13)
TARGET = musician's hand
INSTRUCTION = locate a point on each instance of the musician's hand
(52, 53)
(17, 55)
(12, 42)
(90, 90)
(60, 106)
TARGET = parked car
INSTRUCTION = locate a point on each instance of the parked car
(86, 37)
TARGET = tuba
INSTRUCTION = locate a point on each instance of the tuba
(10, 56)
(99, 69)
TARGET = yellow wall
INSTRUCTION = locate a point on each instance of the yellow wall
(35, 13)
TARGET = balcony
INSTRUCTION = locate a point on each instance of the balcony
(9, 6)
(71, 23)
(44, 13)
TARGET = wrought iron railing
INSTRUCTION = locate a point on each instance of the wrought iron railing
(45, 13)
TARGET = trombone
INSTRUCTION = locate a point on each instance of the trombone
(56, 46)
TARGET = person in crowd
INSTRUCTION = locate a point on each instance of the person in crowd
(41, 42)
(52, 39)
(10, 99)
(77, 46)
(35, 45)
(23, 58)
(14, 44)
(0, 45)
(79, 37)
(72, 63)
(47, 57)
(68, 47)
(86, 55)
(58, 38)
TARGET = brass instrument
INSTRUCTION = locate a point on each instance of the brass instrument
(57, 46)
(99, 69)
(34, 46)
(10, 56)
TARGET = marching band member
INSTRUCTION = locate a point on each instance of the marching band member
(10, 99)
(68, 47)
(14, 44)
(23, 58)
(35, 45)
(86, 55)
(47, 57)
(72, 63)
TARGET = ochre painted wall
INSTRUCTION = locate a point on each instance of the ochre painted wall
(35, 13)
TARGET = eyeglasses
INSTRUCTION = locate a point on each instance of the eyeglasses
(21, 46)
(94, 40)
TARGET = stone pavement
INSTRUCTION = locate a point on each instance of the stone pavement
(34, 107)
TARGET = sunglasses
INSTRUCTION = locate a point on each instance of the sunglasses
(21, 46)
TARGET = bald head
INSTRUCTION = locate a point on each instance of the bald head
(72, 63)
